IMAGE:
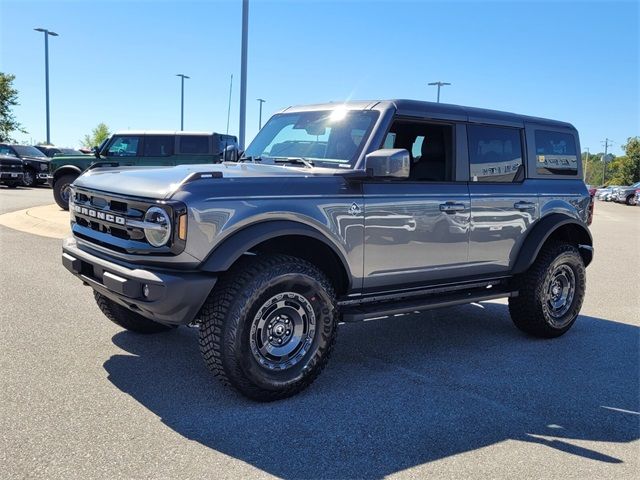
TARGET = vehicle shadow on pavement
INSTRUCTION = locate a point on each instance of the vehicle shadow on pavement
(401, 392)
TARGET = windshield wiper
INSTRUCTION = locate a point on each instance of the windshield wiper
(294, 160)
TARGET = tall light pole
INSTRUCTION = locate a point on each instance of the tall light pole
(182, 77)
(46, 73)
(261, 101)
(439, 84)
(243, 73)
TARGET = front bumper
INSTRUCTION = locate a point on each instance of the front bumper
(172, 297)
(44, 176)
(11, 176)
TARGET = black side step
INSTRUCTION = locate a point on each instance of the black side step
(384, 309)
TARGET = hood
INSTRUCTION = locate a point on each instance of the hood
(162, 182)
(35, 159)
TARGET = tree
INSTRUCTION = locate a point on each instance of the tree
(97, 136)
(8, 100)
(630, 169)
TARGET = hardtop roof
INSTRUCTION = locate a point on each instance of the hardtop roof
(418, 107)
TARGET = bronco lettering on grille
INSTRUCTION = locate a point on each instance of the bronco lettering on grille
(107, 217)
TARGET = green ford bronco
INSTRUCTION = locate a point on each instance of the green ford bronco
(132, 148)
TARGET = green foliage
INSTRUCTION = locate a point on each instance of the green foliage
(97, 136)
(592, 168)
(630, 169)
(8, 100)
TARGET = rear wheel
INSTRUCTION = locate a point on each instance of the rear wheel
(62, 189)
(269, 326)
(126, 318)
(550, 292)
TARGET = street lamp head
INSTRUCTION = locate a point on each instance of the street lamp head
(182, 75)
(44, 30)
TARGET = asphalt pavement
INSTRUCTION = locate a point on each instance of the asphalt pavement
(453, 393)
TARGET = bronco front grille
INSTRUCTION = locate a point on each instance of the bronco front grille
(110, 221)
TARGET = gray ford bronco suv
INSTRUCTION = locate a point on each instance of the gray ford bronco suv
(338, 212)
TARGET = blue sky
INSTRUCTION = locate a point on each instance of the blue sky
(115, 61)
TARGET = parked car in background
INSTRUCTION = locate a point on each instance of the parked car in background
(35, 163)
(601, 192)
(11, 171)
(52, 151)
(145, 149)
(626, 194)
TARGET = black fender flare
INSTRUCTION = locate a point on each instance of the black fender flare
(540, 233)
(64, 169)
(233, 247)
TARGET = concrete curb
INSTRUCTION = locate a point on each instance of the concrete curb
(46, 221)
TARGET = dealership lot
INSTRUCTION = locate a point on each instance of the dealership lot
(450, 393)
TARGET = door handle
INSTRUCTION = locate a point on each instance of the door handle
(524, 206)
(452, 207)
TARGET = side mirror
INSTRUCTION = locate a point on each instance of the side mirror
(96, 151)
(388, 162)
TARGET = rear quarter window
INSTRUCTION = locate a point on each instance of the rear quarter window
(556, 153)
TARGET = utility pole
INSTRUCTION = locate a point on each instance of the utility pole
(261, 101)
(182, 77)
(243, 73)
(586, 163)
(604, 160)
(46, 73)
(439, 84)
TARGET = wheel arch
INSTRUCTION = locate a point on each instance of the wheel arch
(555, 226)
(64, 170)
(282, 237)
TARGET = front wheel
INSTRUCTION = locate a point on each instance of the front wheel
(550, 292)
(62, 190)
(269, 326)
(631, 200)
(29, 178)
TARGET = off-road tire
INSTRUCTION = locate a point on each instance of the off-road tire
(59, 184)
(529, 310)
(228, 315)
(30, 180)
(12, 185)
(126, 318)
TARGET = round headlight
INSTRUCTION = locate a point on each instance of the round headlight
(159, 234)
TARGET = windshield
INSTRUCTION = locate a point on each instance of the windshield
(330, 138)
(28, 151)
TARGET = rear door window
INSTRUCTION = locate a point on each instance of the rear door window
(556, 153)
(158, 145)
(194, 144)
(495, 154)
